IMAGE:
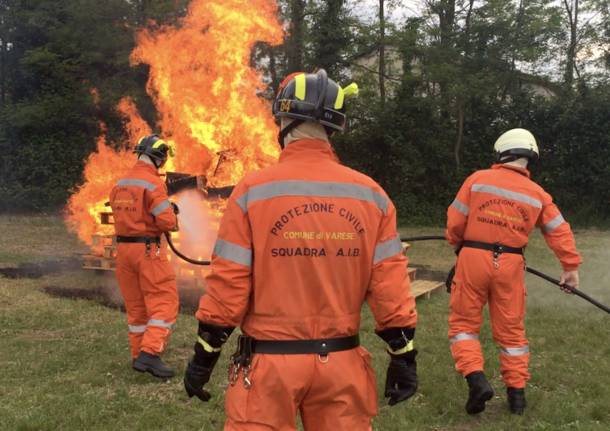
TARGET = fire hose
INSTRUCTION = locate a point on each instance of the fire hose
(182, 256)
(533, 271)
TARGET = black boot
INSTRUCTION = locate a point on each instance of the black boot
(516, 400)
(479, 391)
(145, 362)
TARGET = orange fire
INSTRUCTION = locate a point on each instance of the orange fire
(205, 92)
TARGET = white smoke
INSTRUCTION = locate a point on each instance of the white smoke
(198, 225)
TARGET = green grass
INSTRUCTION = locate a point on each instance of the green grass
(65, 363)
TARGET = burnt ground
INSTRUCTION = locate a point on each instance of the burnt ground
(109, 296)
(99, 294)
(37, 270)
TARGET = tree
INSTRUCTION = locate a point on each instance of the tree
(329, 36)
(295, 42)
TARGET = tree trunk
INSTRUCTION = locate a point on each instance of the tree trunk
(445, 9)
(572, 11)
(295, 44)
(273, 67)
(3, 50)
(3, 71)
(446, 16)
(382, 52)
(457, 149)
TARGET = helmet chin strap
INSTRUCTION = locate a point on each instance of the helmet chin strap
(281, 137)
(147, 159)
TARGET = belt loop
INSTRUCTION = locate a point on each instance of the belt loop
(147, 247)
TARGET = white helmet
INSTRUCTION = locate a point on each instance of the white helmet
(516, 143)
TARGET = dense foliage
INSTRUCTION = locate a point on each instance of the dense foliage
(437, 88)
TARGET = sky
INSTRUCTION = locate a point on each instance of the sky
(402, 9)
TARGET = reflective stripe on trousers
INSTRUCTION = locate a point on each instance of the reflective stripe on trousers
(138, 329)
(463, 336)
(160, 323)
(515, 351)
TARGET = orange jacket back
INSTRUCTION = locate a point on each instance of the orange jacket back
(503, 205)
(140, 205)
(301, 246)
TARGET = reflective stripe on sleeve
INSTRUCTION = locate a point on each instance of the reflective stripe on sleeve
(463, 336)
(160, 323)
(509, 194)
(387, 249)
(233, 252)
(516, 351)
(160, 208)
(553, 224)
(312, 188)
(137, 329)
(460, 207)
(137, 183)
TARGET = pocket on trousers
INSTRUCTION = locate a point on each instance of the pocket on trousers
(370, 396)
(237, 396)
(162, 272)
(523, 301)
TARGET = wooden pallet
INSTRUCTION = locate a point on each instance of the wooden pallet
(412, 272)
(106, 218)
(426, 288)
(91, 261)
(103, 240)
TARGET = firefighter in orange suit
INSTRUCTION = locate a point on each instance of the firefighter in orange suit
(490, 221)
(301, 246)
(142, 212)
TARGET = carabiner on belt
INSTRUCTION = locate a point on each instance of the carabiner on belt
(241, 360)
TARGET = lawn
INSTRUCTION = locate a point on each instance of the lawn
(65, 362)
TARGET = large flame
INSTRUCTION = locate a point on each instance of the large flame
(205, 92)
(205, 89)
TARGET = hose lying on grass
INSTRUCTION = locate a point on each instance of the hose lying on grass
(528, 269)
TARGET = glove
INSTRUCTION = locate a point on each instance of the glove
(196, 376)
(175, 208)
(207, 351)
(401, 378)
(449, 281)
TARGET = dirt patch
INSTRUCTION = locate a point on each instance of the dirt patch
(37, 270)
(425, 273)
(109, 296)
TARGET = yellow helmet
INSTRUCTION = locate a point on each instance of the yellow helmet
(516, 143)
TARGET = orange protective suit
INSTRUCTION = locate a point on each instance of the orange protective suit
(147, 281)
(301, 246)
(499, 205)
